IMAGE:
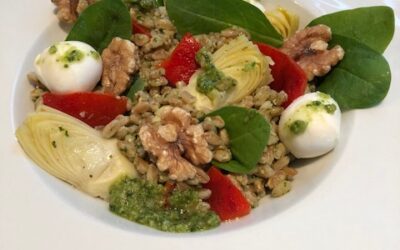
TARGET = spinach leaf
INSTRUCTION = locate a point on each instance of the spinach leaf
(249, 134)
(205, 16)
(100, 23)
(361, 80)
(372, 26)
(137, 85)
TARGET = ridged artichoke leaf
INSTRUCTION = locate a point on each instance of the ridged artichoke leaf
(243, 61)
(284, 21)
(239, 59)
(73, 151)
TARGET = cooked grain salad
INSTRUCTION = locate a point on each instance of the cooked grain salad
(185, 114)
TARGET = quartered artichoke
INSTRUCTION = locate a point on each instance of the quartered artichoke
(241, 60)
(284, 21)
(73, 151)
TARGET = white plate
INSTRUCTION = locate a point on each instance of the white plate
(349, 199)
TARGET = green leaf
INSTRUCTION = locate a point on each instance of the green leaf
(233, 166)
(372, 26)
(205, 16)
(249, 134)
(138, 85)
(361, 80)
(100, 23)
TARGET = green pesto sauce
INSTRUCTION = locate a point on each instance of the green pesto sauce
(249, 66)
(145, 203)
(324, 96)
(94, 54)
(319, 105)
(72, 55)
(330, 108)
(298, 127)
(64, 131)
(53, 50)
(302, 117)
(211, 78)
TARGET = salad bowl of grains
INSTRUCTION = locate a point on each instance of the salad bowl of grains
(177, 116)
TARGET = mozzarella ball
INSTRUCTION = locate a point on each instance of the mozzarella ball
(68, 67)
(310, 126)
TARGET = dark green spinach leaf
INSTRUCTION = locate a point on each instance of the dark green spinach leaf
(137, 85)
(249, 134)
(372, 26)
(361, 80)
(100, 23)
(205, 16)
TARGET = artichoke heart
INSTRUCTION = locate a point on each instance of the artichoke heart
(73, 151)
(240, 60)
(284, 21)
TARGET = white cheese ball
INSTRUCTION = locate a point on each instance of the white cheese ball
(68, 67)
(310, 126)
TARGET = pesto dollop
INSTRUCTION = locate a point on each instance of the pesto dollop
(211, 79)
(147, 203)
(53, 50)
(319, 105)
(303, 115)
(72, 55)
(249, 66)
(298, 127)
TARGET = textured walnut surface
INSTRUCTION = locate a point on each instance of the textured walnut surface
(66, 10)
(83, 4)
(120, 61)
(309, 48)
(69, 10)
(178, 145)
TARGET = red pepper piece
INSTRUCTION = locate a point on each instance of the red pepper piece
(182, 63)
(226, 199)
(288, 76)
(138, 28)
(169, 188)
(95, 109)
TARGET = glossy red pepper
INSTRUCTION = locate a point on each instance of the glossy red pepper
(226, 199)
(95, 109)
(182, 63)
(288, 76)
(138, 28)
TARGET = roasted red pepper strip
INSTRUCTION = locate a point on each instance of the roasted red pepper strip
(138, 28)
(169, 188)
(95, 109)
(226, 199)
(182, 63)
(288, 76)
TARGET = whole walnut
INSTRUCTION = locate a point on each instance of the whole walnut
(309, 48)
(178, 145)
(120, 62)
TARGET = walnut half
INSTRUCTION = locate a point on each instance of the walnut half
(177, 145)
(69, 10)
(120, 61)
(309, 48)
(66, 10)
